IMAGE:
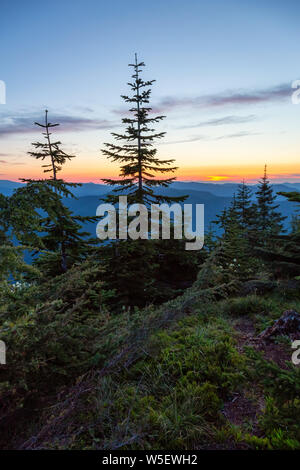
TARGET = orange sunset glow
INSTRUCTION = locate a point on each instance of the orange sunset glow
(251, 173)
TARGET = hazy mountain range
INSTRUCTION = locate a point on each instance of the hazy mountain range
(218, 189)
(215, 196)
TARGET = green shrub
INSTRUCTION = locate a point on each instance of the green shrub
(281, 417)
(244, 306)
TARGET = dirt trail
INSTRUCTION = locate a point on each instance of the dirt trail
(244, 408)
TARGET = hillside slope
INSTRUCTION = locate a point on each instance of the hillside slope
(191, 374)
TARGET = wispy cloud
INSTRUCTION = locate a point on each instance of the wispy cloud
(236, 135)
(285, 175)
(9, 159)
(243, 97)
(5, 162)
(188, 139)
(196, 138)
(225, 120)
(24, 123)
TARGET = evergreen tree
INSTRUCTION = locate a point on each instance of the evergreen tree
(130, 272)
(293, 196)
(210, 239)
(139, 163)
(50, 150)
(221, 219)
(244, 205)
(12, 264)
(284, 252)
(269, 220)
(234, 249)
(64, 241)
(235, 246)
(143, 271)
(4, 219)
(295, 223)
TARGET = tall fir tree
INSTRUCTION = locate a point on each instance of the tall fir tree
(140, 165)
(234, 246)
(244, 205)
(284, 252)
(64, 241)
(269, 219)
(142, 271)
(50, 150)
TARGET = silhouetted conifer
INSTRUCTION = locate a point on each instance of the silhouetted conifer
(269, 219)
(283, 251)
(136, 155)
(63, 239)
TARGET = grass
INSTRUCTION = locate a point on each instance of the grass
(161, 378)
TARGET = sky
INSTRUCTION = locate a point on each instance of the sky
(223, 70)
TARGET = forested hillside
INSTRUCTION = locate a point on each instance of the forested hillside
(139, 343)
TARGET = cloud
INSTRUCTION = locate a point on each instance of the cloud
(10, 159)
(285, 175)
(221, 121)
(5, 162)
(188, 139)
(196, 138)
(225, 98)
(236, 135)
(24, 123)
(85, 109)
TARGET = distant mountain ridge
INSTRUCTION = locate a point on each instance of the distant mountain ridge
(213, 205)
(218, 189)
(214, 196)
(228, 189)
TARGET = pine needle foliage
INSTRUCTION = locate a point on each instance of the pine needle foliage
(50, 150)
(269, 222)
(140, 165)
(64, 241)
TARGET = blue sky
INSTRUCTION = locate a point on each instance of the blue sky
(223, 71)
